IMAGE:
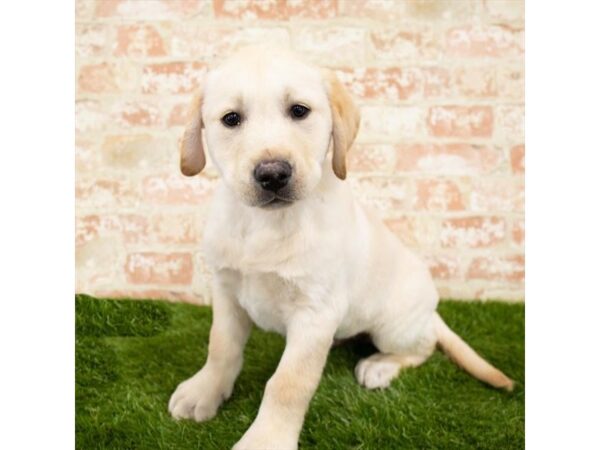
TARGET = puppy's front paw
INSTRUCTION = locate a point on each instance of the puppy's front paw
(197, 398)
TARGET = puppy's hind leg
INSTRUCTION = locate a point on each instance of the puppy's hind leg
(396, 352)
(378, 370)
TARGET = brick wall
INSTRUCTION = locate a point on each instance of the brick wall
(440, 152)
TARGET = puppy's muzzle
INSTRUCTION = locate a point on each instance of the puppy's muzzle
(273, 175)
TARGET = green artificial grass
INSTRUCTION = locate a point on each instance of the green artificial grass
(130, 356)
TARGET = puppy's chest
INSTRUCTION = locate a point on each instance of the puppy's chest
(291, 256)
(268, 299)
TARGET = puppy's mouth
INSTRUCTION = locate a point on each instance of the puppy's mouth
(276, 202)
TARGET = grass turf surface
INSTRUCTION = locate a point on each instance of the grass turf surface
(130, 356)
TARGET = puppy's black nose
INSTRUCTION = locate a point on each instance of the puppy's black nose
(272, 175)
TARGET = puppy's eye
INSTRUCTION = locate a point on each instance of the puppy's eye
(231, 119)
(299, 111)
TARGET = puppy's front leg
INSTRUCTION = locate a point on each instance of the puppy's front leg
(200, 396)
(288, 392)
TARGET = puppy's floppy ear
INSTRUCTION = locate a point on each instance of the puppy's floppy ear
(192, 152)
(346, 119)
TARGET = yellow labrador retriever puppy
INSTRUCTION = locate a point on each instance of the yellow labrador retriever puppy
(293, 252)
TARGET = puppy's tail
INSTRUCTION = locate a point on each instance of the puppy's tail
(463, 355)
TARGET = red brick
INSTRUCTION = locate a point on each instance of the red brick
(397, 123)
(139, 41)
(371, 158)
(497, 194)
(165, 229)
(460, 82)
(473, 232)
(395, 10)
(178, 115)
(382, 193)
(311, 9)
(375, 9)
(172, 78)
(334, 46)
(135, 113)
(437, 195)
(460, 121)
(437, 82)
(84, 10)
(189, 41)
(97, 78)
(159, 228)
(86, 155)
(404, 229)
(175, 229)
(91, 40)
(387, 84)
(517, 158)
(475, 82)
(518, 232)
(107, 78)
(397, 43)
(275, 9)
(415, 231)
(159, 268)
(443, 9)
(174, 189)
(444, 267)
(510, 123)
(100, 193)
(131, 227)
(382, 186)
(519, 189)
(148, 9)
(91, 116)
(479, 41)
(250, 9)
(86, 228)
(511, 81)
(136, 229)
(449, 159)
(498, 268)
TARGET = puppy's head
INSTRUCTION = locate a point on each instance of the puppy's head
(270, 120)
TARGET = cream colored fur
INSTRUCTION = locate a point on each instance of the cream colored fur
(318, 269)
